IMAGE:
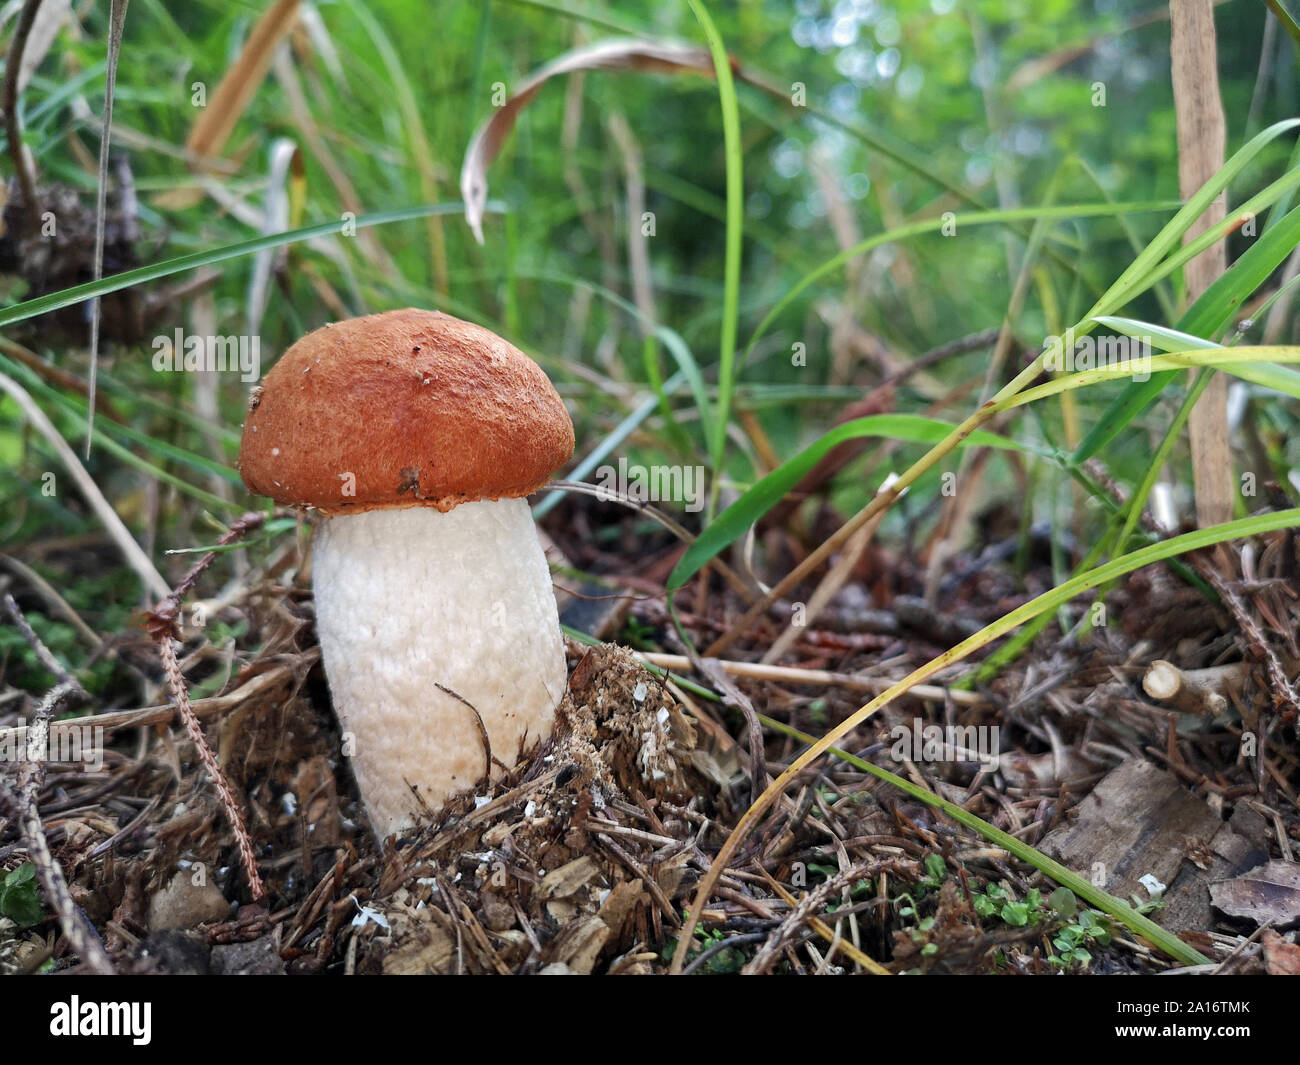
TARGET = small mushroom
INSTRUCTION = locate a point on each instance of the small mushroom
(417, 437)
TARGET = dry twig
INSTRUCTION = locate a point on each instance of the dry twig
(21, 801)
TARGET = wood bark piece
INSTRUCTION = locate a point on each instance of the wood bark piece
(1140, 821)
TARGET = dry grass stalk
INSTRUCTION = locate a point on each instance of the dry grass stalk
(21, 803)
(161, 624)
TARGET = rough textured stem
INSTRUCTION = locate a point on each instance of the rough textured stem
(410, 601)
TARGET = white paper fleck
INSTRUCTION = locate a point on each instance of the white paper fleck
(1154, 888)
(366, 914)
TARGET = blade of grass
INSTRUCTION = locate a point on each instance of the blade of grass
(116, 24)
(1246, 363)
(68, 297)
(1203, 319)
(735, 236)
(931, 225)
(736, 520)
(76, 407)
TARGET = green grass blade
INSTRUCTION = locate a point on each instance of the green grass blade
(932, 225)
(80, 293)
(733, 522)
(735, 234)
(1203, 319)
(1138, 276)
(1240, 362)
(1279, 378)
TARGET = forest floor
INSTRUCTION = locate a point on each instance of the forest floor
(586, 858)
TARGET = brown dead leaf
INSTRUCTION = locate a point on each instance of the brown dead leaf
(1280, 957)
(1269, 893)
(241, 81)
(645, 57)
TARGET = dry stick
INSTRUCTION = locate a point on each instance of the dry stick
(482, 735)
(52, 665)
(1193, 691)
(161, 715)
(806, 912)
(817, 925)
(161, 624)
(721, 945)
(1198, 109)
(820, 677)
(23, 802)
(13, 127)
(22, 805)
(121, 535)
(164, 616)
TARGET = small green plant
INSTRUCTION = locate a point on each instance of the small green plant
(919, 933)
(821, 870)
(936, 870)
(1073, 939)
(725, 961)
(637, 634)
(1071, 930)
(19, 900)
(995, 901)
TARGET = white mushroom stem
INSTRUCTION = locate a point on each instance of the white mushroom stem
(411, 599)
(1193, 691)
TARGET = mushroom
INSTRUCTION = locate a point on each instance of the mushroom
(417, 436)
